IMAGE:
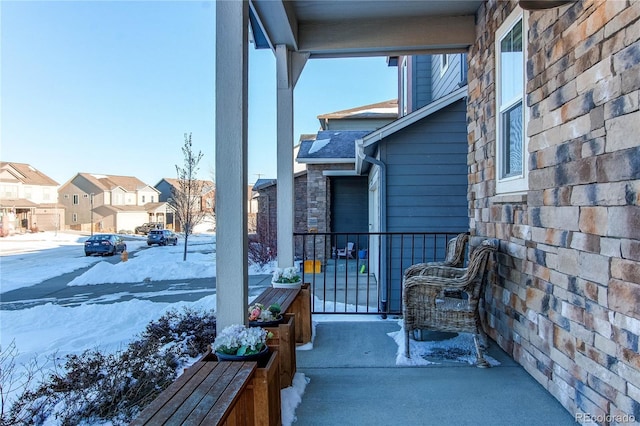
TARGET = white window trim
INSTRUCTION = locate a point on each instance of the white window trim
(519, 183)
(444, 63)
(404, 86)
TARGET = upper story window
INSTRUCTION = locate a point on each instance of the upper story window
(76, 199)
(10, 191)
(511, 141)
(404, 86)
(143, 198)
(444, 63)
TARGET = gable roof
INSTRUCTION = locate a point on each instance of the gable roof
(26, 174)
(266, 183)
(385, 109)
(368, 144)
(111, 182)
(207, 185)
(330, 146)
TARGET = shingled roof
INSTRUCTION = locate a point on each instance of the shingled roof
(331, 146)
(109, 182)
(26, 174)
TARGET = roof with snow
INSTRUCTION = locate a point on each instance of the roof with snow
(331, 146)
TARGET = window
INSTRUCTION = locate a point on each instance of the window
(404, 68)
(444, 63)
(85, 195)
(74, 217)
(143, 198)
(76, 199)
(511, 142)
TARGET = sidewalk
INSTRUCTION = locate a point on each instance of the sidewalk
(354, 381)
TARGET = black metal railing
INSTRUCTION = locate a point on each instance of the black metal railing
(361, 273)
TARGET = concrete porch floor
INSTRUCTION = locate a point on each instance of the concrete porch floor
(354, 381)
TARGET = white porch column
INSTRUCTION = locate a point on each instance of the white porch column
(231, 161)
(289, 65)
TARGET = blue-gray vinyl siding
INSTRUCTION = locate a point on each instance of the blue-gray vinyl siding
(427, 173)
(451, 79)
(422, 81)
(426, 184)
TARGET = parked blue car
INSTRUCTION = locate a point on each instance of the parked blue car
(104, 244)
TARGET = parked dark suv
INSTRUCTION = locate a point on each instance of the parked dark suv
(161, 237)
(146, 227)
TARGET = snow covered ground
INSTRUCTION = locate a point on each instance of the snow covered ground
(42, 331)
(46, 330)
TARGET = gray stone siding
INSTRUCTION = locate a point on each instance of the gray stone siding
(564, 297)
(319, 208)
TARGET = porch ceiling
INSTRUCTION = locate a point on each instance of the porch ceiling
(333, 29)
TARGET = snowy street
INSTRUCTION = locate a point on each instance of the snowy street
(72, 303)
(152, 273)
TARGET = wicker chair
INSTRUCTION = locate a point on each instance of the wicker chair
(456, 248)
(443, 298)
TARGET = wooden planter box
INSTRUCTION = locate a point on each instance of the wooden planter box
(264, 390)
(301, 307)
(262, 393)
(207, 393)
(284, 341)
(292, 301)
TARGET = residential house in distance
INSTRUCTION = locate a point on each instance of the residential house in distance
(330, 152)
(28, 200)
(167, 186)
(108, 203)
(266, 200)
(337, 198)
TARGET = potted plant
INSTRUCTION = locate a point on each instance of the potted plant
(240, 343)
(259, 316)
(286, 278)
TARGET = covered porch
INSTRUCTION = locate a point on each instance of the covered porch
(559, 302)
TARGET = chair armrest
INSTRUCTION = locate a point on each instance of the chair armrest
(430, 268)
(440, 283)
(414, 269)
(442, 271)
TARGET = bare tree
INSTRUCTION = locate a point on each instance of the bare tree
(187, 197)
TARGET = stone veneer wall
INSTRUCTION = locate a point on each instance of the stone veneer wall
(318, 205)
(565, 298)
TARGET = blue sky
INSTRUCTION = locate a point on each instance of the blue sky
(111, 88)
